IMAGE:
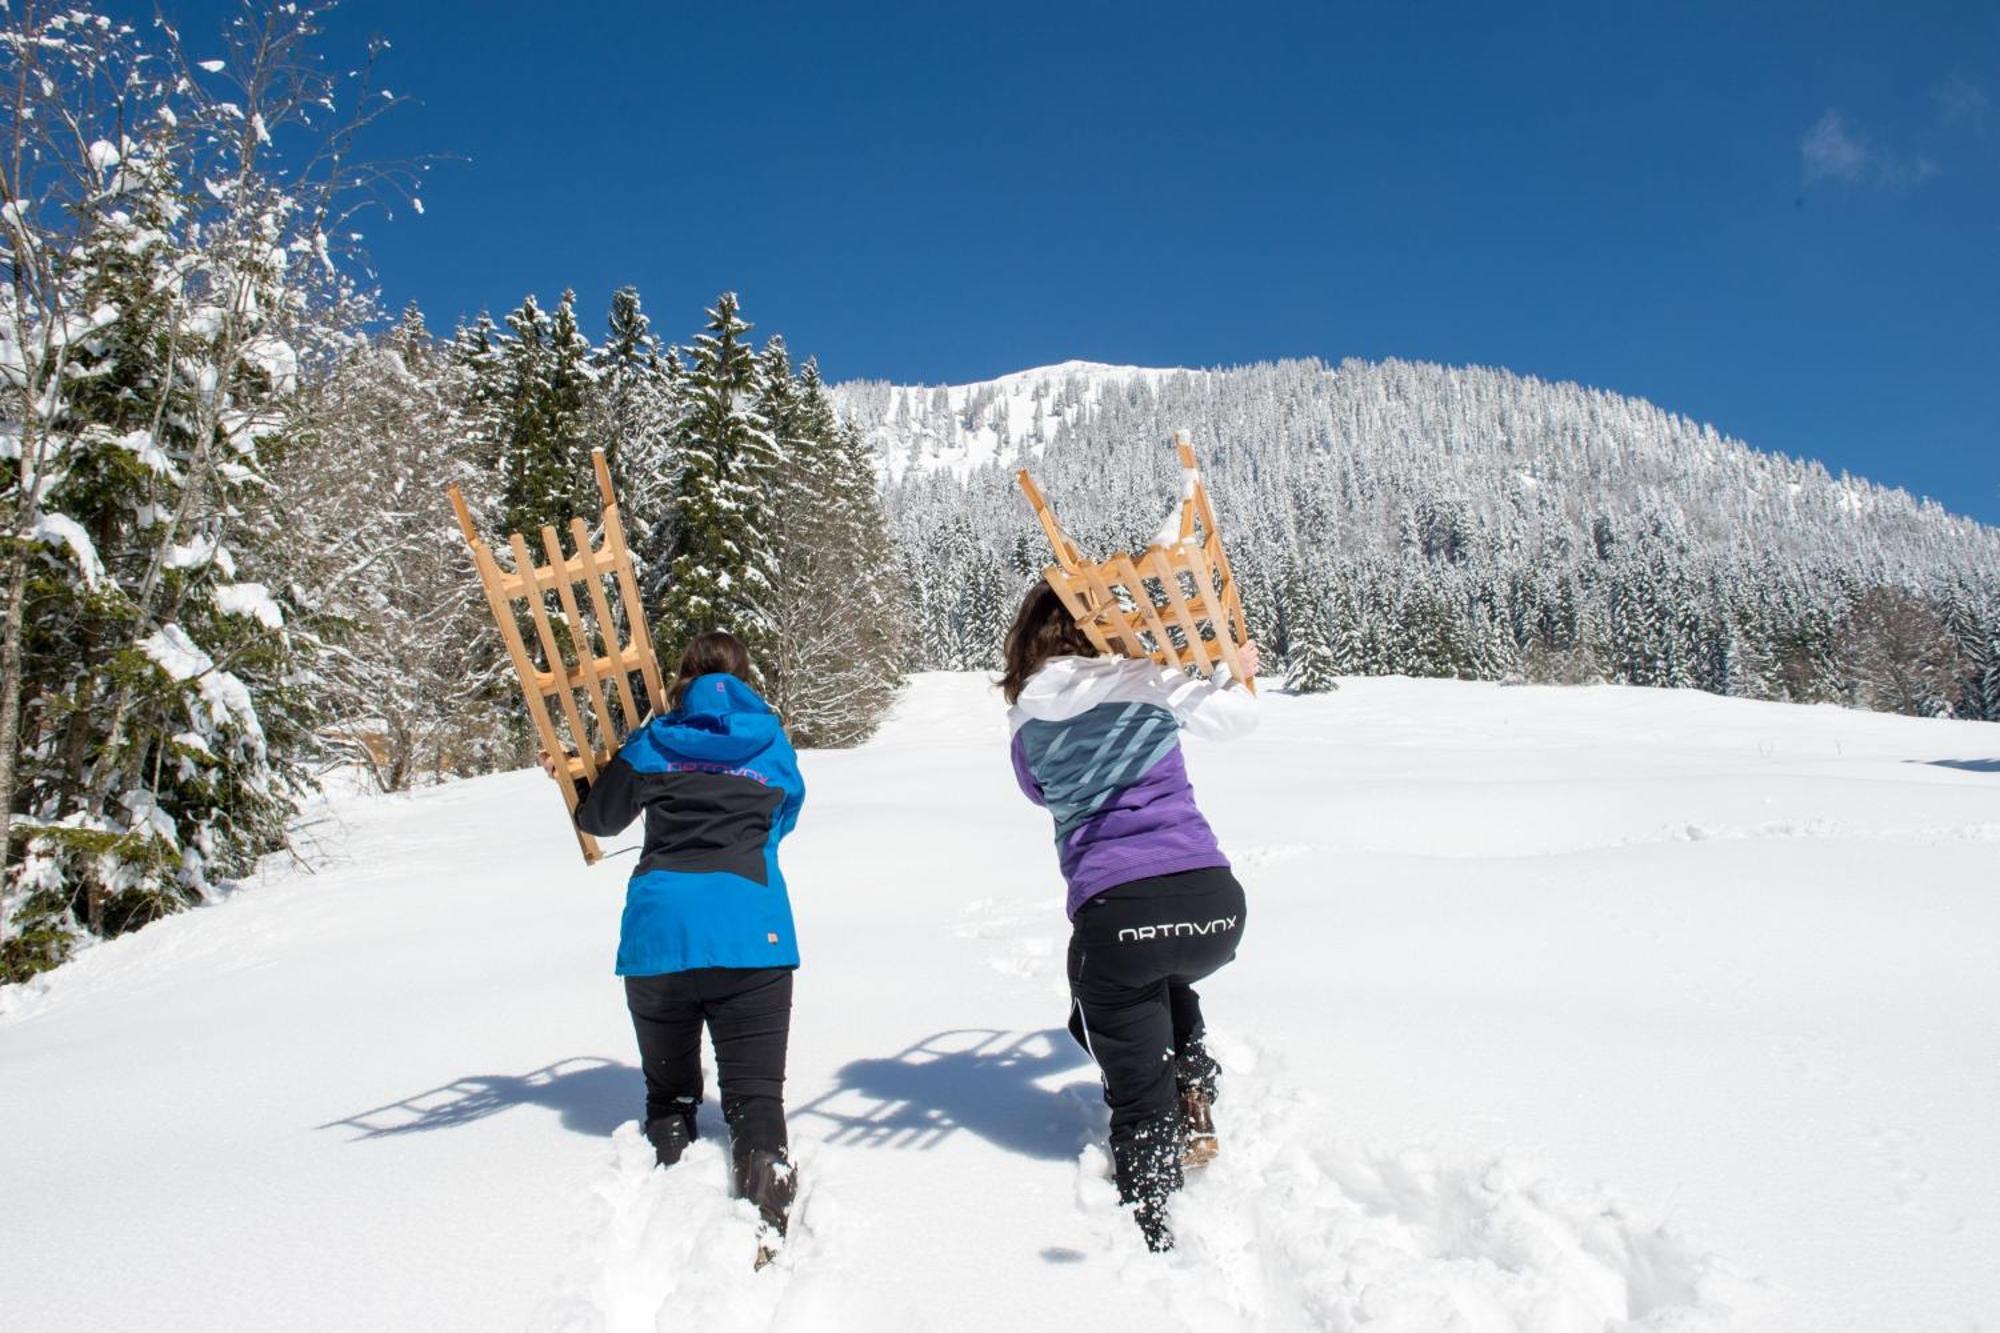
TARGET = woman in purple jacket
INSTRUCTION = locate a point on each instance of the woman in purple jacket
(1153, 905)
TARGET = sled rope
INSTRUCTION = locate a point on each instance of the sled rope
(1174, 602)
(597, 655)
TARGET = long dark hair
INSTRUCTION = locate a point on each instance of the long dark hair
(706, 653)
(1043, 628)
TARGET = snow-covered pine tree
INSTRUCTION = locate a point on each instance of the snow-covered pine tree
(1637, 651)
(632, 420)
(170, 278)
(1984, 700)
(723, 548)
(544, 428)
(1258, 592)
(532, 472)
(478, 354)
(1311, 667)
(1976, 627)
(1347, 634)
(1496, 652)
(568, 415)
(1979, 695)
(1433, 638)
(1805, 637)
(985, 606)
(928, 647)
(789, 486)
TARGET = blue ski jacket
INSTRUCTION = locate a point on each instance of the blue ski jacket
(719, 784)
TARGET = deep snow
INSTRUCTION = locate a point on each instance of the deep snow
(1558, 1009)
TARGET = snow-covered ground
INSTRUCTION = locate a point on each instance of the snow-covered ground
(1558, 1009)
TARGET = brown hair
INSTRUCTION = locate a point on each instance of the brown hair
(710, 651)
(1043, 628)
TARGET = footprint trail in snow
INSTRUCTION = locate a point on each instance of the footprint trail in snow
(1297, 1227)
(672, 1250)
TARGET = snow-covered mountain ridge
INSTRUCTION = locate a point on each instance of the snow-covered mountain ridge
(1461, 413)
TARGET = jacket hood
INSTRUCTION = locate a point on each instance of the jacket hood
(1067, 686)
(720, 720)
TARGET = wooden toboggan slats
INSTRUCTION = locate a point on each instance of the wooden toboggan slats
(585, 651)
(1174, 602)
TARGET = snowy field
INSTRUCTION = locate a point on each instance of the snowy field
(1558, 1010)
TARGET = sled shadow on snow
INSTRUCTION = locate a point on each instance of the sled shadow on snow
(592, 1095)
(1969, 765)
(984, 1081)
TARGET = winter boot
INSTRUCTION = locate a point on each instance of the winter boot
(670, 1136)
(1195, 1073)
(1198, 1129)
(767, 1180)
(1146, 1161)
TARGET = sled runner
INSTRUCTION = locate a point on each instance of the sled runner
(1174, 602)
(596, 646)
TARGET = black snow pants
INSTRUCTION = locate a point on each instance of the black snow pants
(748, 1013)
(1134, 953)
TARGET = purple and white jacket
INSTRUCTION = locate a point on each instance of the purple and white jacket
(1097, 741)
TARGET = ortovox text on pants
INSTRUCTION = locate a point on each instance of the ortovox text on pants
(1135, 952)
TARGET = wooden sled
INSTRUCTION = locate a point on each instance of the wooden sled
(1175, 602)
(595, 655)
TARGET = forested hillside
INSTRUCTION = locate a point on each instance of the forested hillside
(1402, 517)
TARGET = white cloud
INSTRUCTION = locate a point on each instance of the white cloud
(1830, 151)
(1833, 150)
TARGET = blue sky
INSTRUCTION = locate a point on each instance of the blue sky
(1784, 220)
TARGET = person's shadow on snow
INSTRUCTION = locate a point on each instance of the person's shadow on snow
(980, 1080)
(591, 1094)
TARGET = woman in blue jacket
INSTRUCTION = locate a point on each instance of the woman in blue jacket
(706, 938)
